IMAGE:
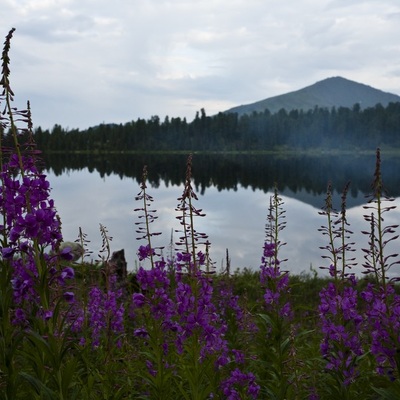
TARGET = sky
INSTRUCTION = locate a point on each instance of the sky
(85, 62)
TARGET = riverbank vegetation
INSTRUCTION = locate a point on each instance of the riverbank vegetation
(176, 328)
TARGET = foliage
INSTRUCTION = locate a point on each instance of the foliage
(337, 128)
(177, 330)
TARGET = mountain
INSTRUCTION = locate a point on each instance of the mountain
(330, 92)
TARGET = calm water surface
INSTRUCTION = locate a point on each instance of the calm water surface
(235, 218)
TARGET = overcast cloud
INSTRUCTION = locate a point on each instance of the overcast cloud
(84, 62)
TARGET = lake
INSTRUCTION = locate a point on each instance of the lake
(233, 191)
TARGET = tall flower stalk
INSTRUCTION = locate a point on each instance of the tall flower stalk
(382, 315)
(275, 321)
(377, 261)
(340, 319)
(35, 293)
(188, 256)
(149, 216)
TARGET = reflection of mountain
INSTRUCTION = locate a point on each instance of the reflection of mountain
(304, 178)
(318, 200)
(331, 92)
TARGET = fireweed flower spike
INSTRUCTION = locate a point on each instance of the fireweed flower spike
(30, 224)
(377, 262)
(341, 322)
(382, 315)
(382, 319)
(188, 256)
(106, 315)
(143, 227)
(275, 320)
(275, 282)
(34, 305)
(240, 384)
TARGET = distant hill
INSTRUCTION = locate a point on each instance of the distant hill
(330, 92)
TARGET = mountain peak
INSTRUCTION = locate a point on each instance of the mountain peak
(330, 92)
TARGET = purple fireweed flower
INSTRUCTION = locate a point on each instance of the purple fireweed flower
(155, 284)
(156, 277)
(138, 300)
(276, 291)
(66, 274)
(201, 258)
(237, 382)
(183, 312)
(185, 299)
(19, 317)
(199, 314)
(286, 311)
(47, 314)
(271, 297)
(382, 319)
(69, 297)
(105, 314)
(162, 307)
(145, 252)
(341, 324)
(97, 313)
(24, 280)
(71, 251)
(239, 356)
(29, 217)
(183, 257)
(150, 368)
(7, 252)
(141, 332)
(269, 250)
(276, 284)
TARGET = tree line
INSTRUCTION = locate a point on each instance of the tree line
(340, 127)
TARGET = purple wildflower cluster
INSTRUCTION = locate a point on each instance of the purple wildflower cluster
(382, 319)
(276, 284)
(155, 284)
(30, 226)
(186, 308)
(106, 314)
(198, 316)
(341, 324)
(240, 383)
(145, 252)
(29, 212)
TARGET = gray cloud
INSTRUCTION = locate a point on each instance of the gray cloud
(84, 62)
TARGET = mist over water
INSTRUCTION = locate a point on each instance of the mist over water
(236, 209)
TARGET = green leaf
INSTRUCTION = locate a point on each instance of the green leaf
(39, 386)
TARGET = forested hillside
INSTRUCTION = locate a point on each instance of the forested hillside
(318, 128)
(330, 92)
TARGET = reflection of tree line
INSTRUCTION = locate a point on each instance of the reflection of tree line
(250, 171)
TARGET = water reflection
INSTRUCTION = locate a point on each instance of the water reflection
(235, 198)
(254, 171)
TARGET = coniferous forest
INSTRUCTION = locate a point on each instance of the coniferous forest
(336, 128)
